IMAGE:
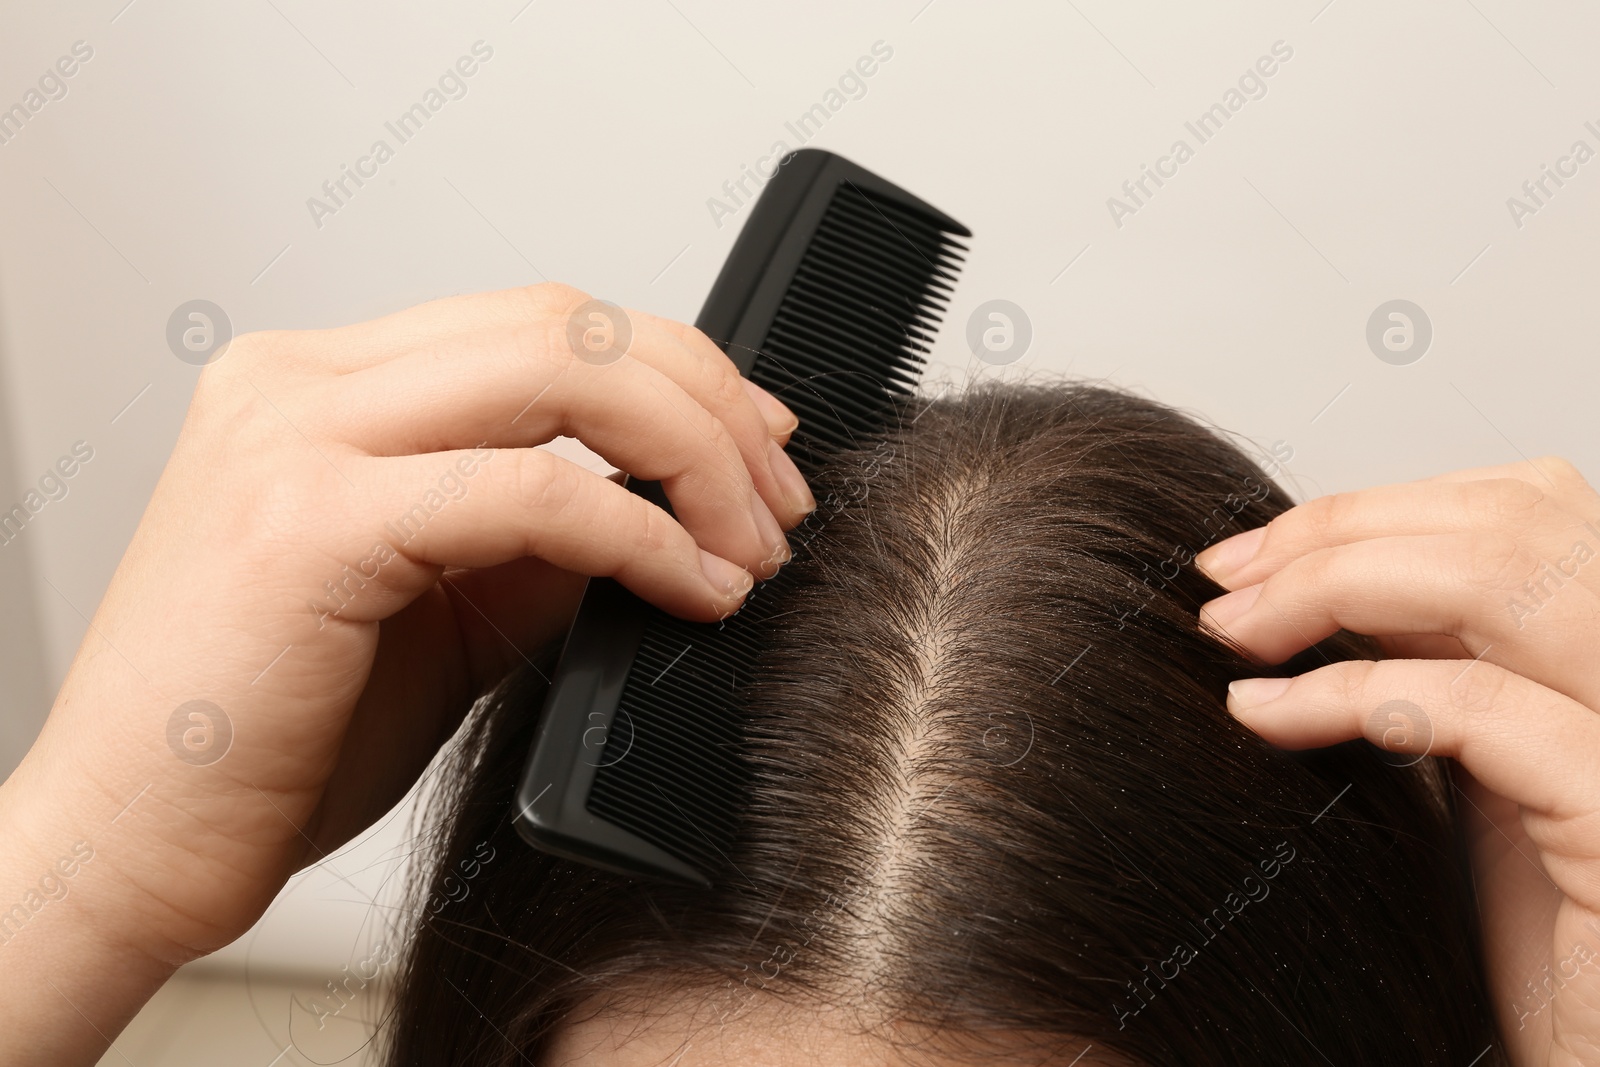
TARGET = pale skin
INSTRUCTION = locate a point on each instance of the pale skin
(1450, 574)
(297, 450)
(770, 1032)
(301, 450)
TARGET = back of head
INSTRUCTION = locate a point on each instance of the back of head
(999, 806)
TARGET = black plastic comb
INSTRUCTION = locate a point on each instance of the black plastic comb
(828, 300)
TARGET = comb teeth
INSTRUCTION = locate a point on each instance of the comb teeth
(846, 345)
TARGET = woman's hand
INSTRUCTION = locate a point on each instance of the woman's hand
(1487, 582)
(354, 538)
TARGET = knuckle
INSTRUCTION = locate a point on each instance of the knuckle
(249, 349)
(552, 297)
(545, 484)
(1306, 576)
(1302, 524)
(701, 343)
(1326, 514)
(229, 407)
(1493, 558)
(721, 439)
(726, 391)
(245, 356)
(1355, 682)
(286, 503)
(1481, 690)
(1505, 501)
(212, 388)
(539, 341)
(656, 529)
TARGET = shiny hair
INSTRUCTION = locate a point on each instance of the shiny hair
(996, 795)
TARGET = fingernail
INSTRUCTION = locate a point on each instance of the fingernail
(791, 481)
(1246, 693)
(1224, 611)
(771, 536)
(726, 577)
(780, 420)
(1230, 555)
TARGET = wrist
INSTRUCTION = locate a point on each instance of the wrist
(74, 964)
(73, 843)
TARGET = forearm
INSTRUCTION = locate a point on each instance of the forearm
(72, 973)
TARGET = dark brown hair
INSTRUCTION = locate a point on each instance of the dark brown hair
(997, 792)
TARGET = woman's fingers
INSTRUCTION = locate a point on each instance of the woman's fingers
(530, 502)
(758, 421)
(500, 383)
(1530, 614)
(636, 417)
(519, 367)
(1511, 493)
(434, 657)
(1552, 474)
(1528, 779)
(1384, 511)
(663, 411)
(1521, 740)
(781, 422)
(438, 324)
(346, 349)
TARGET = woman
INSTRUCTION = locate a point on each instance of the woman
(1000, 810)
(273, 665)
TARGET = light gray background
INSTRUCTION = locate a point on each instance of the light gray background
(1377, 166)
